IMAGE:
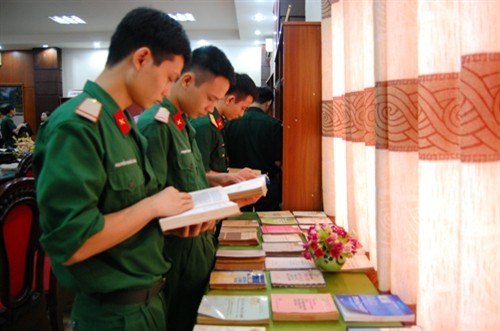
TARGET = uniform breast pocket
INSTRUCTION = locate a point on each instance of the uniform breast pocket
(188, 172)
(127, 183)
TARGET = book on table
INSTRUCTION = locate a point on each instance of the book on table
(247, 189)
(309, 213)
(208, 204)
(358, 263)
(282, 237)
(278, 229)
(277, 220)
(199, 327)
(288, 263)
(238, 236)
(297, 278)
(234, 310)
(234, 280)
(373, 308)
(276, 213)
(303, 307)
(283, 248)
(239, 259)
(313, 220)
(229, 223)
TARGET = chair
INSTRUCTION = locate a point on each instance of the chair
(22, 299)
(24, 168)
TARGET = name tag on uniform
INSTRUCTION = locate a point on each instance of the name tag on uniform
(186, 151)
(125, 163)
(162, 115)
(90, 109)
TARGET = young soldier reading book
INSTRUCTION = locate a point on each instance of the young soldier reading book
(177, 162)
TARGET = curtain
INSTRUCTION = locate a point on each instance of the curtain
(411, 149)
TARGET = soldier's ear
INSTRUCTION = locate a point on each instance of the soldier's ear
(140, 56)
(187, 79)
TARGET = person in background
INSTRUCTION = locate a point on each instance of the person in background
(176, 160)
(256, 141)
(8, 128)
(43, 116)
(210, 128)
(98, 195)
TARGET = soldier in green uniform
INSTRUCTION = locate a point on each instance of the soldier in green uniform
(177, 161)
(210, 128)
(8, 128)
(97, 192)
(256, 141)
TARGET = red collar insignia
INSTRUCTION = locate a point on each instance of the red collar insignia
(122, 122)
(220, 123)
(179, 121)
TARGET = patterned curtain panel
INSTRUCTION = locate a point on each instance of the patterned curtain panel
(413, 132)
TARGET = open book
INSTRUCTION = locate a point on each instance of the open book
(248, 188)
(208, 204)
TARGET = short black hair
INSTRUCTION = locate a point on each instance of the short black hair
(264, 94)
(243, 87)
(211, 60)
(6, 108)
(148, 27)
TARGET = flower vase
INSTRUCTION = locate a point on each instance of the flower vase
(328, 264)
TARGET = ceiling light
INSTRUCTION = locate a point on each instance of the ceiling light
(67, 19)
(97, 44)
(257, 32)
(183, 17)
(258, 17)
(45, 46)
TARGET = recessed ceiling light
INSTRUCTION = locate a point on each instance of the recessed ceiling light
(258, 17)
(45, 46)
(97, 44)
(257, 32)
(183, 17)
(67, 19)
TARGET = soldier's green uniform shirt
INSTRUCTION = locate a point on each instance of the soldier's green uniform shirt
(210, 140)
(84, 170)
(177, 161)
(7, 127)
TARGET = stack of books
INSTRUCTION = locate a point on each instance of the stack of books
(227, 259)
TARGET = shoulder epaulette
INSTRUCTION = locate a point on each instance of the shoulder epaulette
(162, 115)
(90, 109)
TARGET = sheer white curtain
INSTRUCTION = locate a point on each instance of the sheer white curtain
(413, 133)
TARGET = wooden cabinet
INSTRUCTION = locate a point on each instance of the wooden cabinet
(297, 82)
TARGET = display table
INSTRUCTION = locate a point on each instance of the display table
(337, 283)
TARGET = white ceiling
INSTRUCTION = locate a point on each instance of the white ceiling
(24, 24)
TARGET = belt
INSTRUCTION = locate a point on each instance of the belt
(131, 296)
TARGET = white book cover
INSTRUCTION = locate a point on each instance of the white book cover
(208, 204)
(291, 237)
(288, 262)
(297, 278)
(234, 308)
